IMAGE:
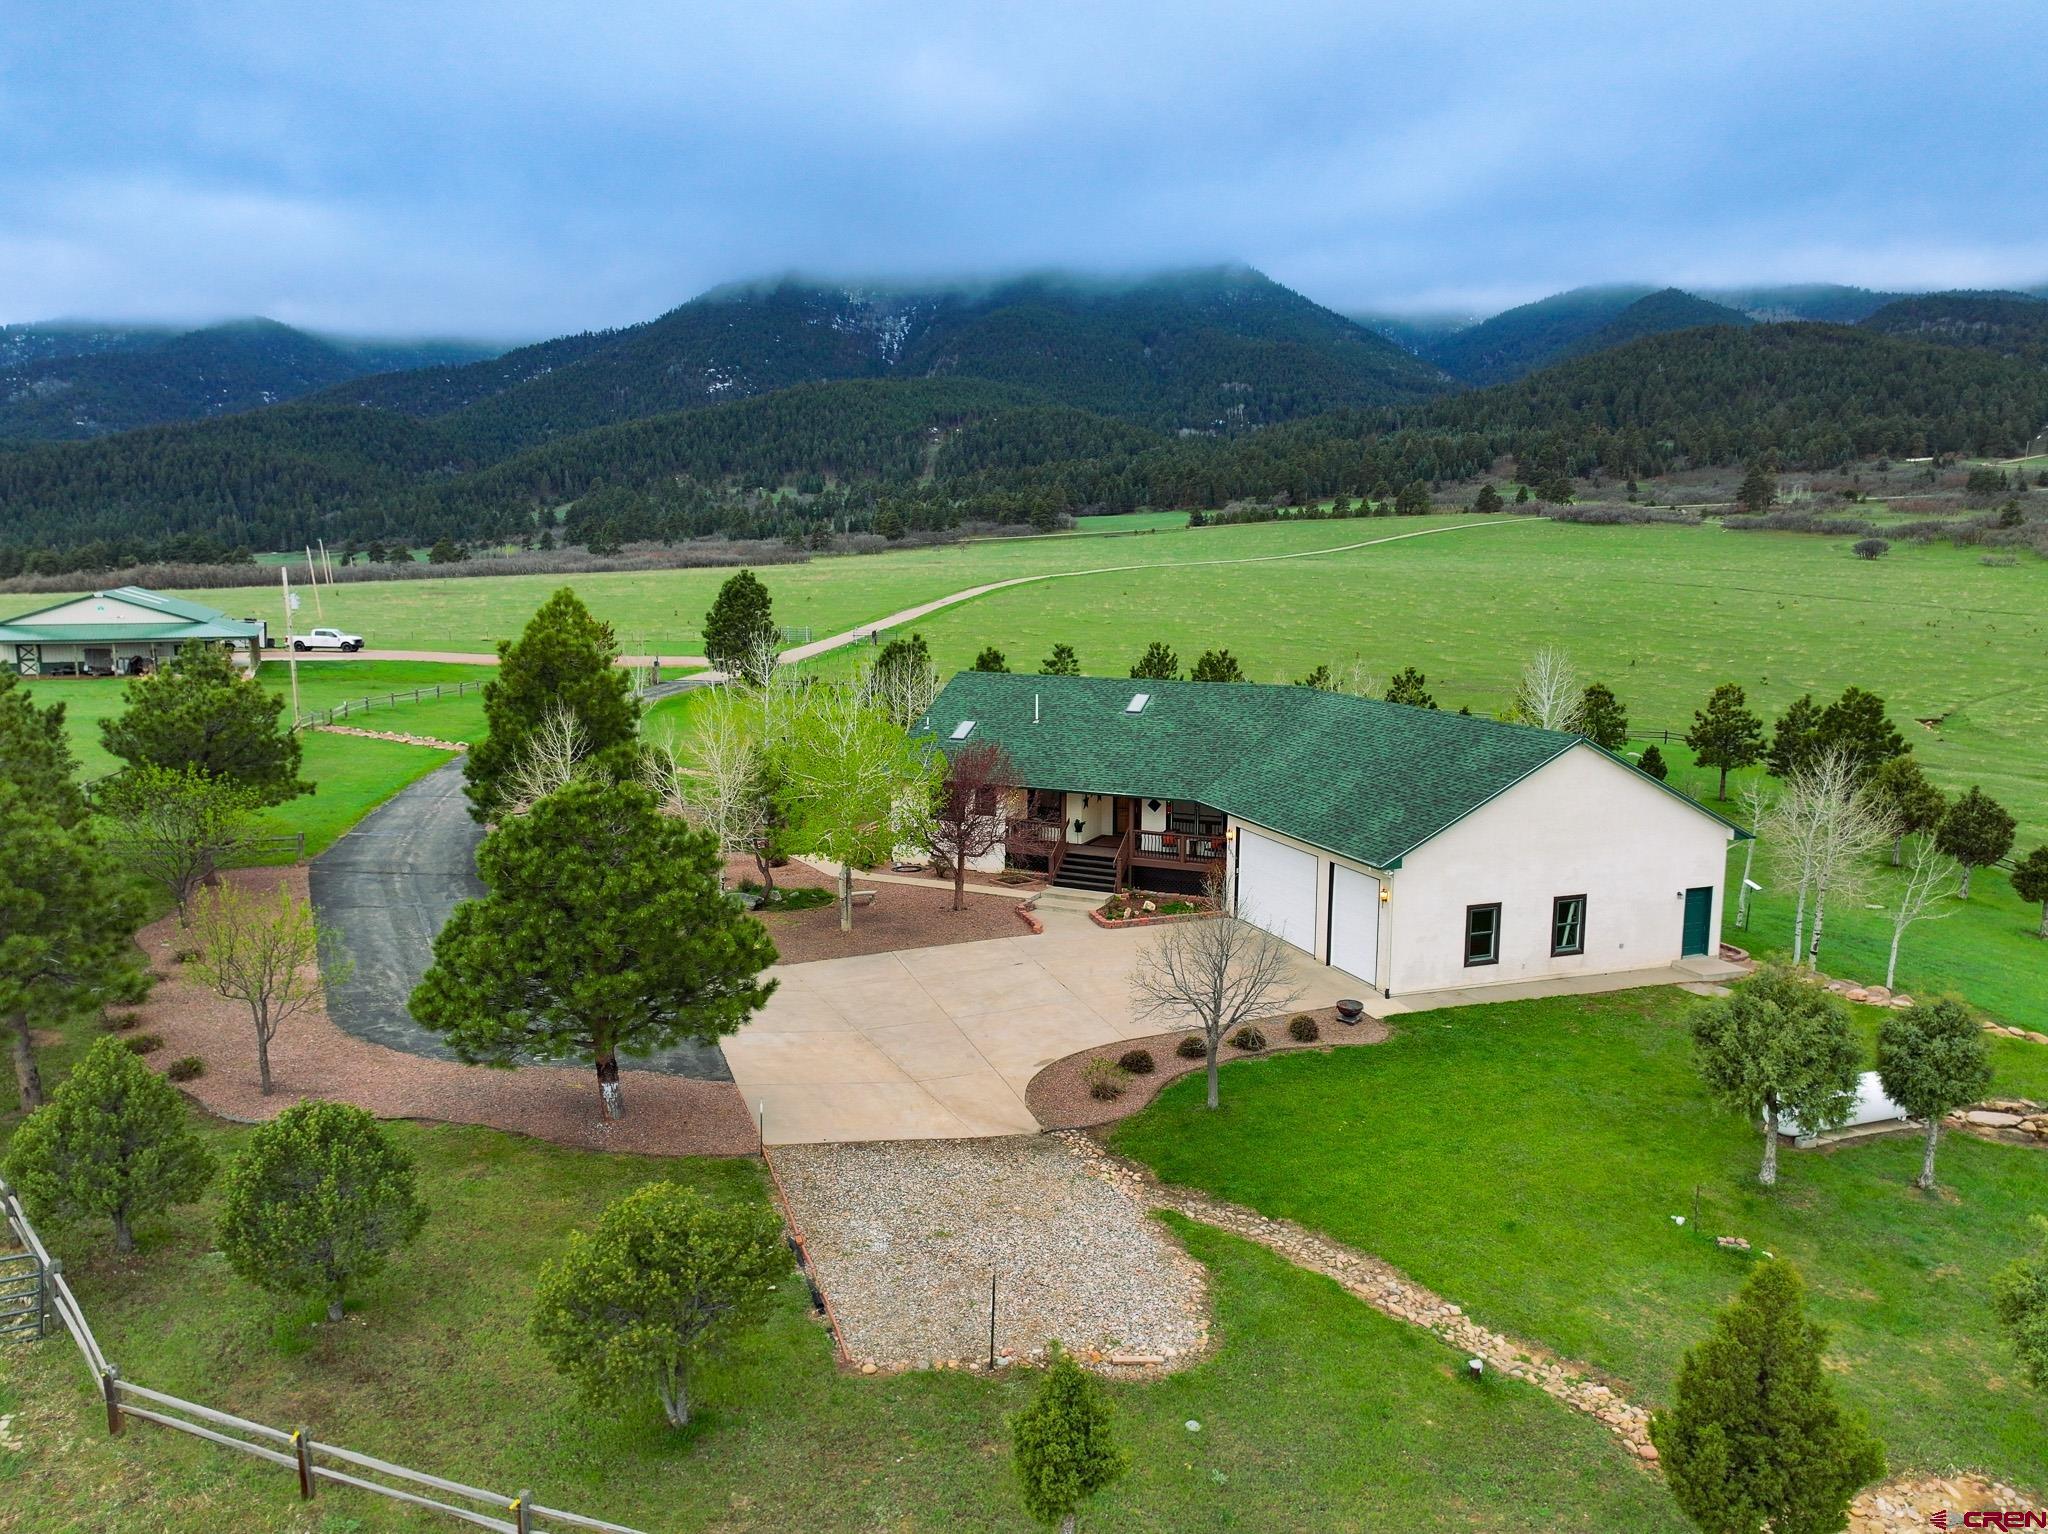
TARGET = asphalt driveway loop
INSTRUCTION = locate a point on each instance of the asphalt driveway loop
(904, 1237)
(387, 888)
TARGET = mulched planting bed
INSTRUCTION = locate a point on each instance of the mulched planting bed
(312, 1058)
(1058, 1095)
(903, 1236)
(900, 916)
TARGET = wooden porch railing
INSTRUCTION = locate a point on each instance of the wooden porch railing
(1180, 846)
(1124, 849)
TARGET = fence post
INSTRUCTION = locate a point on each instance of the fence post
(46, 1301)
(522, 1511)
(112, 1392)
(302, 1449)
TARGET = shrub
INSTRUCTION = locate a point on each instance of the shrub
(1302, 1029)
(144, 1043)
(1192, 1046)
(1106, 1079)
(189, 1068)
(316, 1201)
(113, 1142)
(1870, 548)
(1137, 1061)
(120, 1022)
(1249, 1039)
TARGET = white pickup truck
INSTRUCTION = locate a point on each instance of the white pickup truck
(327, 639)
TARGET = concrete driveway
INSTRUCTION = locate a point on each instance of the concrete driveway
(938, 1043)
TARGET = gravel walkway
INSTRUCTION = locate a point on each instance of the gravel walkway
(902, 1237)
(666, 1115)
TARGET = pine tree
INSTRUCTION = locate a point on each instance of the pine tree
(1795, 738)
(1652, 762)
(663, 1282)
(1977, 830)
(1409, 686)
(67, 920)
(1759, 490)
(1061, 662)
(740, 622)
(316, 1201)
(114, 1141)
(2030, 882)
(1855, 725)
(605, 931)
(1932, 1058)
(1413, 500)
(1063, 1443)
(1157, 664)
(1754, 1437)
(36, 753)
(1776, 1045)
(990, 659)
(1320, 679)
(563, 661)
(1487, 502)
(2019, 1299)
(1217, 666)
(204, 713)
(1725, 734)
(1909, 804)
(1601, 717)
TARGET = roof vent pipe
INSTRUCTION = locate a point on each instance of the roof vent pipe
(1034, 708)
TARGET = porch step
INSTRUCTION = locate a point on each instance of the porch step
(1093, 871)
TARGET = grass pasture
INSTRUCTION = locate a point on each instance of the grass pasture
(1542, 1201)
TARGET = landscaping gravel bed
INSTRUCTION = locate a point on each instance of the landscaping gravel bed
(900, 916)
(903, 1235)
(1059, 1096)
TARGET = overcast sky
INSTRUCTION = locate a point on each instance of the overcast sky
(516, 169)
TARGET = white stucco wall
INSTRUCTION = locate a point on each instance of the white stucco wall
(1096, 812)
(1580, 825)
(1324, 861)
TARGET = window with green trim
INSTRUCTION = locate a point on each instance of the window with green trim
(1482, 934)
(1567, 925)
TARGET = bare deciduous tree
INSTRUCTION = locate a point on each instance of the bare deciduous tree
(263, 950)
(1219, 973)
(1550, 690)
(549, 757)
(969, 813)
(1359, 680)
(1826, 832)
(902, 687)
(1756, 804)
(1931, 877)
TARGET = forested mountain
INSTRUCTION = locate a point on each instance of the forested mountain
(1415, 334)
(62, 382)
(1656, 315)
(2010, 324)
(1203, 350)
(1830, 302)
(1530, 336)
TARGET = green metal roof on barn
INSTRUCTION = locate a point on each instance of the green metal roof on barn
(1369, 780)
(170, 618)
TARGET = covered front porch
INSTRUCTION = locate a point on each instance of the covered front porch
(1109, 842)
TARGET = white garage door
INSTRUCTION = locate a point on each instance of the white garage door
(1355, 923)
(1276, 888)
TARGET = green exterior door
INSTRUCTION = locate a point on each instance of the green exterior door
(1699, 920)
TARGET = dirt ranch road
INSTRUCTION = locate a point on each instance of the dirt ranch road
(865, 631)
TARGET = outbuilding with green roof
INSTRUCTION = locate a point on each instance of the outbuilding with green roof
(1415, 849)
(121, 632)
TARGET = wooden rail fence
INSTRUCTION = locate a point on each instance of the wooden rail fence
(311, 1461)
(350, 706)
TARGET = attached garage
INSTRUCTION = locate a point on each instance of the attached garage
(1355, 923)
(1277, 887)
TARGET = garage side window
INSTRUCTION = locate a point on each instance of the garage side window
(1482, 934)
(1567, 925)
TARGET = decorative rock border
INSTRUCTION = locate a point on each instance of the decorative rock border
(397, 736)
(2013, 1120)
(1030, 918)
(1155, 919)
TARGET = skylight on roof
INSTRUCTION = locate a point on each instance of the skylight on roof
(1137, 703)
(963, 729)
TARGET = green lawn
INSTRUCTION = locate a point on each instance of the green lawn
(1526, 1161)
(1315, 1412)
(352, 775)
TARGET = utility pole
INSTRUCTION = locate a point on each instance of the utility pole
(291, 654)
(313, 576)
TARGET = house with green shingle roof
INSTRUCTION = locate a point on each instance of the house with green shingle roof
(122, 632)
(1415, 849)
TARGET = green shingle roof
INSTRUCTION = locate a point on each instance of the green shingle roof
(1368, 780)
